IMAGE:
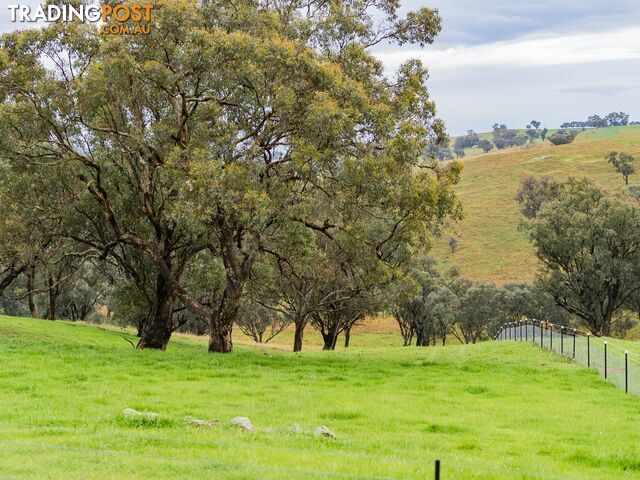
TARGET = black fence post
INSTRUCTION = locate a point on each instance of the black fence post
(562, 340)
(437, 470)
(533, 329)
(541, 336)
(605, 359)
(588, 350)
(520, 329)
(626, 372)
(574, 343)
(520, 323)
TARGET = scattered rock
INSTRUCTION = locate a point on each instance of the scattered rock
(135, 414)
(324, 432)
(242, 422)
(295, 428)
(198, 422)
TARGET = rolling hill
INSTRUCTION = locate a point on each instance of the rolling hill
(490, 245)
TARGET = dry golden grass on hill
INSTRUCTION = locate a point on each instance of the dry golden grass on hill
(490, 245)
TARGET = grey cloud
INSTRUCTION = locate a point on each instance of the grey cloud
(605, 90)
(483, 21)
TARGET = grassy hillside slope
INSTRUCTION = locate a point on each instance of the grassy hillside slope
(489, 411)
(490, 245)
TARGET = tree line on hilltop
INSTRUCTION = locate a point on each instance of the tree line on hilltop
(613, 119)
(504, 137)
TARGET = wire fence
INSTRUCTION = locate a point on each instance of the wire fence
(615, 363)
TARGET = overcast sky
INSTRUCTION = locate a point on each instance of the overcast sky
(511, 61)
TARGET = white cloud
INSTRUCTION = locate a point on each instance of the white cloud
(548, 50)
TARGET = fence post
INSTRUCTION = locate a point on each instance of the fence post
(541, 336)
(626, 372)
(561, 340)
(533, 329)
(588, 350)
(605, 359)
(526, 330)
(437, 469)
(574, 343)
(520, 323)
(551, 336)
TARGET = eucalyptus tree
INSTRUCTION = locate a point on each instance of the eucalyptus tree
(441, 306)
(225, 124)
(349, 295)
(422, 301)
(476, 310)
(623, 163)
(534, 192)
(589, 246)
(260, 323)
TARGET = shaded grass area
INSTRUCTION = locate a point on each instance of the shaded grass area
(490, 245)
(493, 410)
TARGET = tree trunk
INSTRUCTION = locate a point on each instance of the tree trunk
(297, 338)
(11, 275)
(221, 322)
(157, 329)
(347, 337)
(220, 340)
(31, 286)
(330, 337)
(53, 295)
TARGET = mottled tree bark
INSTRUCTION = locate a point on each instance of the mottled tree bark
(158, 327)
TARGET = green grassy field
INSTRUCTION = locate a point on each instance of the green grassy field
(491, 247)
(489, 411)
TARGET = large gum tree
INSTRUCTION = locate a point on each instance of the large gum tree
(226, 125)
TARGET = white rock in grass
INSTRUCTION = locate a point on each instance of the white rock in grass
(324, 432)
(131, 413)
(198, 422)
(295, 428)
(242, 422)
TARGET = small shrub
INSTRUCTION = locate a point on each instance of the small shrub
(563, 137)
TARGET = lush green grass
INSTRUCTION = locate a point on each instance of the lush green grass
(490, 411)
(491, 247)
